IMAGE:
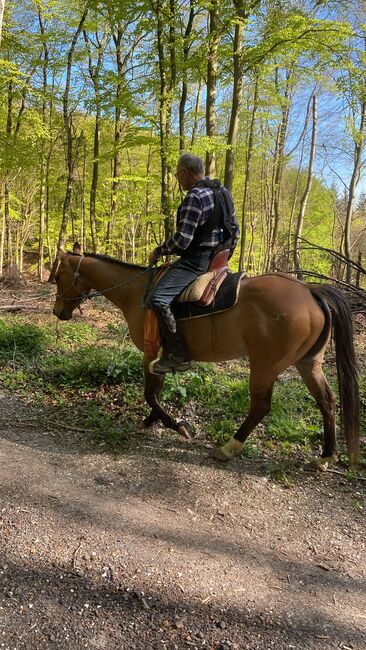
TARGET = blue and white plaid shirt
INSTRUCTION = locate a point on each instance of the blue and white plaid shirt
(196, 208)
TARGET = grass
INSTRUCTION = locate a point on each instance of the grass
(95, 375)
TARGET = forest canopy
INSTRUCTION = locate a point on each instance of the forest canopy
(98, 99)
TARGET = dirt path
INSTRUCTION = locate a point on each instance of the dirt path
(160, 547)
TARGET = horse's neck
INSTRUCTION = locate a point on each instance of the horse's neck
(124, 286)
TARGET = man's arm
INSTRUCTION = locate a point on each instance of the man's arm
(190, 215)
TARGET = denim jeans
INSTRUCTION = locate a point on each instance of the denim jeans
(178, 276)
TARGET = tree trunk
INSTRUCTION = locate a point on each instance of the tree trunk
(247, 176)
(83, 194)
(297, 183)
(196, 115)
(42, 184)
(278, 171)
(2, 7)
(67, 115)
(2, 239)
(214, 41)
(9, 126)
(358, 150)
(118, 133)
(241, 15)
(305, 196)
(116, 168)
(94, 73)
(163, 118)
(183, 99)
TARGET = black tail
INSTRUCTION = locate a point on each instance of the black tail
(346, 365)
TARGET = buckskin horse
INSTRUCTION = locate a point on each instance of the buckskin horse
(277, 322)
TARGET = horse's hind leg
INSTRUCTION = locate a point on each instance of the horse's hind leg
(312, 373)
(260, 388)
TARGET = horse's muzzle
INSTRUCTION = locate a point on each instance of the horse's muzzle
(62, 314)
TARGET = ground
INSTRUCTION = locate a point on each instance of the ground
(159, 546)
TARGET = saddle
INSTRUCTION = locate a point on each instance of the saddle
(201, 298)
(203, 290)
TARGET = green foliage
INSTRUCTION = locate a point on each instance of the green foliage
(21, 340)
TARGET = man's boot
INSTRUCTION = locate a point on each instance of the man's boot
(175, 358)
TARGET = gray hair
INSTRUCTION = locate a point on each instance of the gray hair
(191, 163)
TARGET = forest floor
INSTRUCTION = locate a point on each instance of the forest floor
(159, 546)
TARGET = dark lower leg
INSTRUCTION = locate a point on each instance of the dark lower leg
(260, 405)
(318, 387)
(153, 386)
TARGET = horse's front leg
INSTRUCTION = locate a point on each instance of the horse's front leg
(153, 386)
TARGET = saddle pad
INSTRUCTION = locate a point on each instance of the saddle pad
(194, 291)
(226, 298)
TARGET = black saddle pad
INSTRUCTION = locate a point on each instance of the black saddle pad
(225, 298)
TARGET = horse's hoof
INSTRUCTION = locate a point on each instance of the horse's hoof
(184, 430)
(226, 452)
(218, 454)
(322, 464)
(149, 421)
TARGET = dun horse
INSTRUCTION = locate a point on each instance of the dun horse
(277, 322)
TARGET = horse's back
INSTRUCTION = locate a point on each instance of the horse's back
(275, 320)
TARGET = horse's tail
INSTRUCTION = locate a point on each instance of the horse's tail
(346, 364)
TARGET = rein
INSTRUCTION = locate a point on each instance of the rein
(94, 294)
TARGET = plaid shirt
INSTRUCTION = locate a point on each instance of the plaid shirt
(195, 209)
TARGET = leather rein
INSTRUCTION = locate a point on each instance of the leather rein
(94, 294)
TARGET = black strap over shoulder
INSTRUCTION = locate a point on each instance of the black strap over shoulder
(221, 216)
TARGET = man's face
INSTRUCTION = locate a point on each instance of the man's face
(183, 178)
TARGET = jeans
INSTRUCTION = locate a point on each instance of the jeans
(178, 276)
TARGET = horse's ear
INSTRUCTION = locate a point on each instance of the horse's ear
(76, 249)
(61, 255)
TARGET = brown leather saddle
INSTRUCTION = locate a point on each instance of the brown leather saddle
(204, 289)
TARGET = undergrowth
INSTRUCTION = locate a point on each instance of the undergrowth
(96, 376)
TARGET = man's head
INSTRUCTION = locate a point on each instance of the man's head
(190, 170)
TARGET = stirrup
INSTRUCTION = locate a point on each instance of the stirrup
(168, 363)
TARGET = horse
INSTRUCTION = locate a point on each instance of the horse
(277, 322)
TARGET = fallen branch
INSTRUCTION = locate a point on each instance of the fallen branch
(18, 307)
(69, 427)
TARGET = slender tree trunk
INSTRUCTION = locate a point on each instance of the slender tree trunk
(247, 176)
(183, 99)
(279, 162)
(305, 196)
(214, 41)
(297, 182)
(94, 73)
(163, 118)
(241, 15)
(94, 183)
(196, 115)
(147, 204)
(67, 115)
(119, 129)
(358, 272)
(358, 150)
(116, 169)
(42, 185)
(9, 126)
(83, 195)
(2, 237)
(2, 7)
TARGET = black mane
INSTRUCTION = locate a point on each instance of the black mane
(113, 260)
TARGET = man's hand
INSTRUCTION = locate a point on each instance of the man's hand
(153, 257)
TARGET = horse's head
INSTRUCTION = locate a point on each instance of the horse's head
(71, 287)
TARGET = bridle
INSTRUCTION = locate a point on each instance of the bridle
(93, 294)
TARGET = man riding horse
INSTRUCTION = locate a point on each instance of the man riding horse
(206, 224)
